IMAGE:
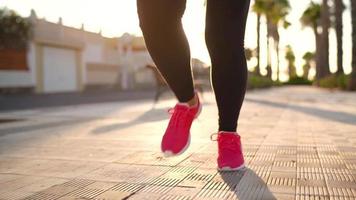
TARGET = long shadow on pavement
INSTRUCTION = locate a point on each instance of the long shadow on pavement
(151, 115)
(342, 117)
(246, 185)
(47, 125)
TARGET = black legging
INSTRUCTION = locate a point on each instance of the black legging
(160, 21)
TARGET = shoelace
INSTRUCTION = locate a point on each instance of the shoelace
(229, 144)
(177, 113)
(214, 139)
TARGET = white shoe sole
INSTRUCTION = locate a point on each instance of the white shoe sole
(229, 169)
(170, 153)
(199, 111)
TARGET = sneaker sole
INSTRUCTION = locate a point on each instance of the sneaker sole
(170, 153)
(199, 111)
(229, 169)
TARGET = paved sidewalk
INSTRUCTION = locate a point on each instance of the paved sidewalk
(299, 143)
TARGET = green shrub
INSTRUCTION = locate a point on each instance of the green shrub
(298, 81)
(342, 81)
(255, 81)
(277, 83)
(328, 82)
(334, 81)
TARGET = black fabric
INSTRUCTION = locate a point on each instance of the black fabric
(160, 22)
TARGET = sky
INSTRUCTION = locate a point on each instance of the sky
(115, 17)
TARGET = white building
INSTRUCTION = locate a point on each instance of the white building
(65, 59)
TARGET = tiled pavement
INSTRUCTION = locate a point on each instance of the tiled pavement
(299, 143)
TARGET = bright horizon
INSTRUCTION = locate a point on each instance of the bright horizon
(115, 17)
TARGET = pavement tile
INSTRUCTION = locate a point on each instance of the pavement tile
(150, 158)
(8, 177)
(90, 191)
(43, 184)
(60, 190)
(126, 173)
(15, 184)
(299, 143)
(14, 195)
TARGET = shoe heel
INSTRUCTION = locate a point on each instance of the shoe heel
(199, 111)
(230, 169)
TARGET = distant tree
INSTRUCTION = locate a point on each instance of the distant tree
(338, 9)
(308, 57)
(275, 12)
(258, 49)
(249, 53)
(15, 30)
(324, 43)
(352, 84)
(311, 18)
(259, 8)
(290, 57)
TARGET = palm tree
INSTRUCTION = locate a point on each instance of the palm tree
(311, 18)
(280, 9)
(258, 49)
(338, 23)
(249, 54)
(290, 57)
(324, 43)
(307, 57)
(259, 9)
(275, 12)
(352, 84)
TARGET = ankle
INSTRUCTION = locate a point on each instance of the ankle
(228, 132)
(194, 101)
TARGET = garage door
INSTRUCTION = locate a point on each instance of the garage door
(59, 70)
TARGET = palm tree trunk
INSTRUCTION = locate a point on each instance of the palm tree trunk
(258, 67)
(324, 43)
(318, 61)
(339, 8)
(274, 34)
(278, 64)
(352, 84)
(269, 65)
(317, 54)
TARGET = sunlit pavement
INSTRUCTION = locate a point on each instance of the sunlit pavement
(299, 143)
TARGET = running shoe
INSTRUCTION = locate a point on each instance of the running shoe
(177, 136)
(230, 151)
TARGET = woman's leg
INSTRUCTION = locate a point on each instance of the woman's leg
(160, 21)
(225, 30)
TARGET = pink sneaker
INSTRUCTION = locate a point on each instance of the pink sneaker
(177, 136)
(230, 152)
